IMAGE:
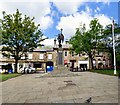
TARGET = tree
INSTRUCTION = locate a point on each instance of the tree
(118, 58)
(87, 41)
(19, 35)
(107, 42)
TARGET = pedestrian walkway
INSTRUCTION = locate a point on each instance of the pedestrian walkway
(61, 72)
(61, 86)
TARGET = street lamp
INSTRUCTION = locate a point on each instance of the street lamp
(114, 47)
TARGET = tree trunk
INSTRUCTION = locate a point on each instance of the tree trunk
(16, 60)
(91, 62)
(16, 63)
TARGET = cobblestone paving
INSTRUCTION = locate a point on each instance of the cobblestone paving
(61, 86)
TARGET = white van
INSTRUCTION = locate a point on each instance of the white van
(27, 70)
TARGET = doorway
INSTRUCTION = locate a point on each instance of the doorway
(72, 63)
(83, 66)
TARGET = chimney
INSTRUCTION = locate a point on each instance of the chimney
(66, 42)
(55, 42)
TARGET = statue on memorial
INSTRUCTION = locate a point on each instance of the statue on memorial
(60, 39)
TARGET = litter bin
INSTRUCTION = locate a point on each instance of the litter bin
(49, 68)
(10, 71)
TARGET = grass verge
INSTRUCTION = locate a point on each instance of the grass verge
(4, 77)
(107, 72)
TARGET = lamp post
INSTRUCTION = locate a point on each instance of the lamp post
(114, 47)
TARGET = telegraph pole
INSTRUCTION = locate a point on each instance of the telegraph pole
(114, 47)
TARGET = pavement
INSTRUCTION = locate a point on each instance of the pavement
(60, 86)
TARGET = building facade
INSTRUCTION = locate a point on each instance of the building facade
(101, 59)
(42, 59)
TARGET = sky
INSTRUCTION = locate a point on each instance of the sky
(52, 15)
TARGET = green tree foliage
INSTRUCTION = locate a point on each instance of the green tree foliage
(19, 35)
(87, 41)
(107, 41)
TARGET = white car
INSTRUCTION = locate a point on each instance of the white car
(27, 70)
(3, 71)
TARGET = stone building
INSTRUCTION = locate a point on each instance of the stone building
(42, 58)
(100, 61)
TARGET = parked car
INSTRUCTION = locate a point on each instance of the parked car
(27, 70)
(3, 71)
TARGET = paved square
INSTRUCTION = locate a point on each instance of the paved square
(61, 87)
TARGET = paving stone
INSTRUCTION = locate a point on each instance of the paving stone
(56, 87)
(43, 96)
(66, 101)
(37, 100)
(32, 95)
(104, 99)
(54, 99)
(79, 100)
(46, 91)
(67, 97)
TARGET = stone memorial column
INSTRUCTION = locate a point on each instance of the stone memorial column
(60, 49)
(60, 56)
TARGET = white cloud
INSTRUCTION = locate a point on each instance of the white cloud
(71, 22)
(88, 10)
(71, 6)
(104, 20)
(48, 42)
(68, 7)
(105, 1)
(24, 1)
(39, 10)
(45, 22)
(97, 10)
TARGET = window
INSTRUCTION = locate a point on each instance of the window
(41, 56)
(23, 57)
(101, 53)
(98, 52)
(20, 66)
(72, 53)
(4, 57)
(1, 56)
(99, 59)
(104, 62)
(79, 54)
(29, 56)
(65, 53)
(12, 57)
(49, 56)
(83, 54)
(37, 65)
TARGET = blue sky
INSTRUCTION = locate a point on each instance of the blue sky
(109, 10)
(53, 15)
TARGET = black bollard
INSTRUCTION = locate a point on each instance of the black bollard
(119, 75)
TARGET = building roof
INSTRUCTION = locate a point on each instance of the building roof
(66, 46)
(43, 49)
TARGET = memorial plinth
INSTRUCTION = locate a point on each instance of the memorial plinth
(60, 56)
